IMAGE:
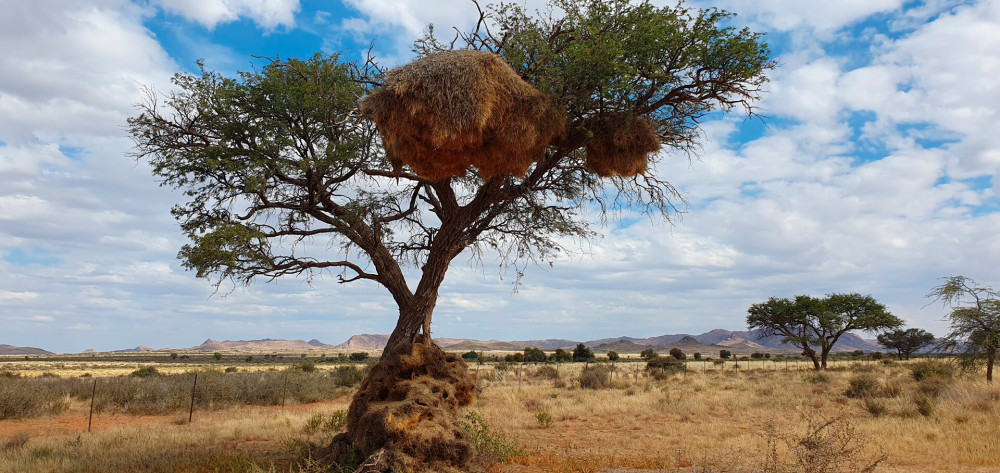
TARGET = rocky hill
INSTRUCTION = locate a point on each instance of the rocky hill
(12, 350)
(266, 344)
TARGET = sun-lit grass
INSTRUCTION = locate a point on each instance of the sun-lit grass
(701, 420)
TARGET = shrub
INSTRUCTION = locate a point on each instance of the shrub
(561, 355)
(305, 366)
(358, 356)
(613, 355)
(145, 372)
(489, 444)
(217, 356)
(725, 354)
(648, 354)
(546, 372)
(534, 355)
(863, 386)
(544, 419)
(662, 366)
(697, 356)
(346, 376)
(232, 369)
(595, 377)
(818, 378)
(582, 353)
(931, 369)
(470, 356)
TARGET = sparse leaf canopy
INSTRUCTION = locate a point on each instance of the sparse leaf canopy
(283, 175)
(974, 318)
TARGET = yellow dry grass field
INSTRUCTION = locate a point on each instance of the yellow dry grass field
(544, 419)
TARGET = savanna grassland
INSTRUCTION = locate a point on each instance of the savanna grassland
(264, 414)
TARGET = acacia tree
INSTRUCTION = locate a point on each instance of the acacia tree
(906, 342)
(813, 323)
(975, 320)
(284, 177)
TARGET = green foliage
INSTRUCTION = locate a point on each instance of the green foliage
(561, 355)
(145, 372)
(217, 356)
(665, 365)
(906, 342)
(346, 376)
(358, 356)
(974, 320)
(613, 355)
(697, 356)
(814, 323)
(544, 419)
(582, 353)
(534, 355)
(305, 366)
(725, 354)
(489, 444)
(677, 353)
(173, 356)
(470, 356)
(596, 376)
(648, 354)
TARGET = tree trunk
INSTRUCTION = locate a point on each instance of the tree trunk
(812, 356)
(989, 367)
(824, 354)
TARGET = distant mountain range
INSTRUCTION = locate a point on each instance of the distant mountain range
(738, 342)
(12, 350)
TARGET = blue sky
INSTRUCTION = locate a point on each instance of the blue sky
(875, 172)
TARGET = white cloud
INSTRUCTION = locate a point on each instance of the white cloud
(269, 14)
(25, 296)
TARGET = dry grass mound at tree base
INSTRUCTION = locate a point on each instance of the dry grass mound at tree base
(445, 112)
(409, 406)
(621, 145)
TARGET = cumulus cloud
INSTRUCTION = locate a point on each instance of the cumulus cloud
(269, 14)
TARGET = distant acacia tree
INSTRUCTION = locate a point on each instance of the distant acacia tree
(283, 175)
(532, 354)
(677, 353)
(975, 320)
(814, 323)
(906, 342)
(648, 354)
(613, 355)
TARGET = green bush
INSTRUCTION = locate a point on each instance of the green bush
(931, 369)
(661, 366)
(470, 356)
(544, 419)
(346, 376)
(358, 356)
(145, 372)
(489, 444)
